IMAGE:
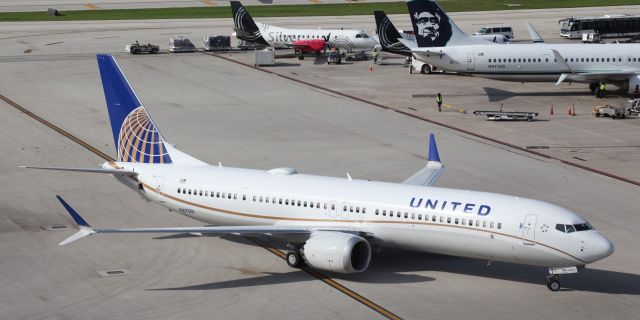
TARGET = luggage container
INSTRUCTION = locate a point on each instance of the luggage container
(181, 44)
(266, 57)
(216, 43)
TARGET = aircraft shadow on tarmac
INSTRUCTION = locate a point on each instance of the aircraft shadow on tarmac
(398, 266)
(494, 94)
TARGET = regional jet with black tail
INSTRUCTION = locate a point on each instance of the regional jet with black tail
(248, 30)
(332, 223)
(442, 44)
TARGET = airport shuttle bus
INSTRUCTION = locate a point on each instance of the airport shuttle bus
(606, 26)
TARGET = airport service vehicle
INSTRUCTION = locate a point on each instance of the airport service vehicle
(181, 44)
(507, 115)
(216, 43)
(334, 58)
(332, 223)
(610, 111)
(591, 37)
(620, 25)
(277, 37)
(492, 31)
(441, 43)
(137, 48)
(633, 107)
(356, 56)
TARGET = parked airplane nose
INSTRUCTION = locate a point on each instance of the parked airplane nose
(598, 247)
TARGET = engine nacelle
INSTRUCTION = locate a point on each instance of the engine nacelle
(633, 82)
(337, 252)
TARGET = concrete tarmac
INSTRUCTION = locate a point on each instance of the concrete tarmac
(217, 110)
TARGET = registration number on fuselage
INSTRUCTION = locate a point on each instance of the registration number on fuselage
(186, 211)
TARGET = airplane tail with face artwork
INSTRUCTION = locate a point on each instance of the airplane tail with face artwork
(433, 27)
(246, 29)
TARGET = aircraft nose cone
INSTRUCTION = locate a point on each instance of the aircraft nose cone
(600, 248)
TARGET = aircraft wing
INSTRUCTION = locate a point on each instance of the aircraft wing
(89, 170)
(299, 233)
(428, 175)
(608, 75)
(299, 47)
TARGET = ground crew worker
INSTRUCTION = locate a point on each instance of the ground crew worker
(602, 88)
(636, 92)
(439, 102)
(375, 56)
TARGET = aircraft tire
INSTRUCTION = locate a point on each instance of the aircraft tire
(294, 260)
(553, 285)
(426, 69)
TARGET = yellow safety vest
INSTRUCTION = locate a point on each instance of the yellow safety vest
(438, 99)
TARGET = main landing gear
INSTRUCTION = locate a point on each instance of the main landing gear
(294, 259)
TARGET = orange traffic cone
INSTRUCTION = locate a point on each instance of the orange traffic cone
(551, 110)
(569, 111)
(370, 68)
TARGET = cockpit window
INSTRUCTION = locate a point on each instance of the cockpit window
(583, 226)
(362, 35)
(569, 228)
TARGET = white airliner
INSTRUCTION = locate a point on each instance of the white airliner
(442, 44)
(332, 223)
(268, 35)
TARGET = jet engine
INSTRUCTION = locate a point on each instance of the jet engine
(633, 81)
(337, 252)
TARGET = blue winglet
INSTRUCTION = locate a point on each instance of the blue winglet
(78, 219)
(433, 149)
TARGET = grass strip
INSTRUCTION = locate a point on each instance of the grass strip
(329, 9)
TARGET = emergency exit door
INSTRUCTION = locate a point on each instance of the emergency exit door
(529, 229)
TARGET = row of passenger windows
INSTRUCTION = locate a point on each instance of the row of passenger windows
(539, 60)
(442, 219)
(345, 208)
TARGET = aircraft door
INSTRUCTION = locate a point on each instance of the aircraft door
(529, 229)
(471, 63)
(159, 187)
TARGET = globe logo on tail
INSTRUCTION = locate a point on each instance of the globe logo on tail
(140, 141)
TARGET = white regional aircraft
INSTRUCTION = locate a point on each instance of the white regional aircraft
(268, 35)
(332, 223)
(442, 44)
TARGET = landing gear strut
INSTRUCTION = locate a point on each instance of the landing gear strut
(294, 259)
(553, 282)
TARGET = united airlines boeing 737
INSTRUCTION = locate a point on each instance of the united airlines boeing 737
(442, 44)
(332, 223)
(268, 35)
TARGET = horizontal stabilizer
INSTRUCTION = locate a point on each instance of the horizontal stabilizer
(88, 170)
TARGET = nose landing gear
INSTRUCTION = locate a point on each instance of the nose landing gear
(553, 282)
(553, 279)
